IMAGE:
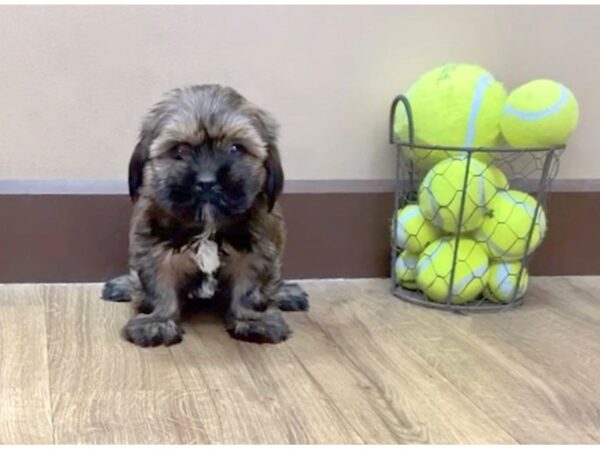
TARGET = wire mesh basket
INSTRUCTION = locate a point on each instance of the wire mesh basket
(477, 219)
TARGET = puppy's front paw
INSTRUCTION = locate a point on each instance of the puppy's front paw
(291, 297)
(117, 290)
(148, 331)
(268, 327)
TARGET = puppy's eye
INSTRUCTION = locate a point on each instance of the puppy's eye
(237, 149)
(179, 151)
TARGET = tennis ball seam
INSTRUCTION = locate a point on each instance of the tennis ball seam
(503, 286)
(477, 274)
(481, 86)
(403, 234)
(530, 116)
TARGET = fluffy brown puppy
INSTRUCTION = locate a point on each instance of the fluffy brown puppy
(205, 177)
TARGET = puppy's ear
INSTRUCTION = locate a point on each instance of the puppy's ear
(136, 167)
(141, 153)
(275, 178)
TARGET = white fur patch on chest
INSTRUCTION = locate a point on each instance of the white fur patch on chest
(207, 256)
(207, 259)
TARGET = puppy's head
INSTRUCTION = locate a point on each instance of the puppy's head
(206, 149)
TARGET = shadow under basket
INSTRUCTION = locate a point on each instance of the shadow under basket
(529, 170)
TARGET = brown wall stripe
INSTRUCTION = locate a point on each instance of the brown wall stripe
(68, 238)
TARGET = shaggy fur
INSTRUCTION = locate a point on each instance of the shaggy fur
(206, 167)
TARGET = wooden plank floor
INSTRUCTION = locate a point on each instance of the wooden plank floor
(361, 367)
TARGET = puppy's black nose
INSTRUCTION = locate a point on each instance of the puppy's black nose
(205, 186)
(205, 181)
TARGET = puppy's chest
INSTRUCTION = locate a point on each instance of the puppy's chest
(210, 255)
(206, 250)
(173, 235)
(180, 237)
(205, 253)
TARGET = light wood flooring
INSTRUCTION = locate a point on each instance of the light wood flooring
(361, 367)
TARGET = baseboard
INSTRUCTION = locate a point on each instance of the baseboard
(83, 237)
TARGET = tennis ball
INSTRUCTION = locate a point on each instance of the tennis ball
(413, 231)
(454, 105)
(434, 270)
(406, 273)
(541, 113)
(495, 176)
(441, 192)
(502, 281)
(481, 242)
(506, 228)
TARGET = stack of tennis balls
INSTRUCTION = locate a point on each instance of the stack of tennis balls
(494, 234)
(462, 105)
(413, 234)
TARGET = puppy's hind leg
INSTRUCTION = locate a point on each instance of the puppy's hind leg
(291, 297)
(118, 289)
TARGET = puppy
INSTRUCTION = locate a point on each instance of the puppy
(205, 177)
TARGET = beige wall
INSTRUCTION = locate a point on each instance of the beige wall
(75, 80)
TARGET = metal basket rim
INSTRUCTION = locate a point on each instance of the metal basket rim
(481, 149)
(482, 306)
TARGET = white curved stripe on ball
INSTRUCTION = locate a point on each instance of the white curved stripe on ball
(505, 287)
(483, 82)
(563, 98)
(457, 288)
(427, 260)
(502, 278)
(401, 233)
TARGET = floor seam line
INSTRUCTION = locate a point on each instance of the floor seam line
(47, 328)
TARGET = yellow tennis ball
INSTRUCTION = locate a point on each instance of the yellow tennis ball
(502, 281)
(406, 269)
(454, 105)
(434, 270)
(442, 190)
(413, 231)
(495, 176)
(541, 113)
(495, 181)
(505, 230)
(481, 241)
(498, 179)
